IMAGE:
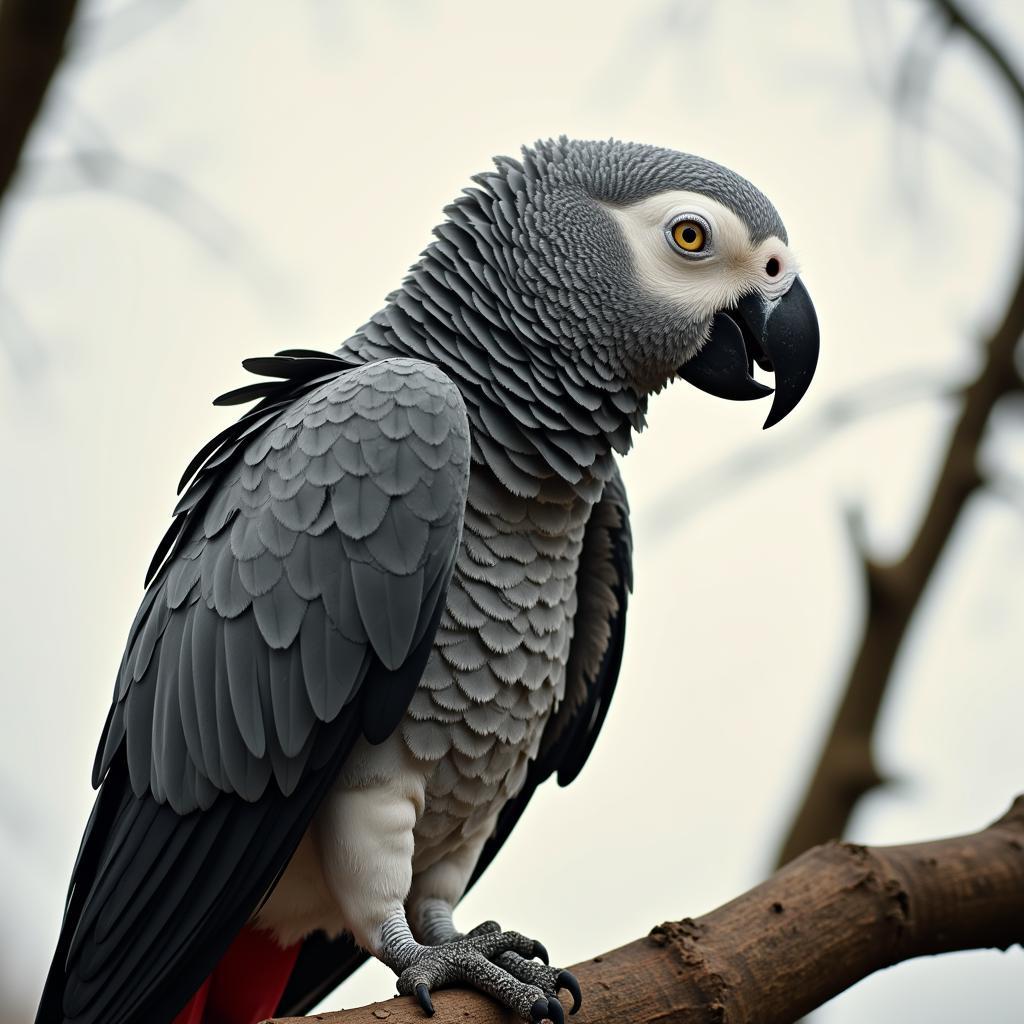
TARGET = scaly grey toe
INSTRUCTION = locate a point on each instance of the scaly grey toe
(550, 979)
(484, 928)
(471, 961)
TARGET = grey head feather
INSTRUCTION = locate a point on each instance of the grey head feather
(529, 301)
(628, 172)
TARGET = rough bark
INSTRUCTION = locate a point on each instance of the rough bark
(32, 39)
(820, 924)
(846, 769)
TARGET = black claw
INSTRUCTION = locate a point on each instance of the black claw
(539, 1010)
(568, 980)
(423, 996)
(555, 1012)
(540, 952)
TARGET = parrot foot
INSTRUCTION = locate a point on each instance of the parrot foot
(550, 979)
(498, 963)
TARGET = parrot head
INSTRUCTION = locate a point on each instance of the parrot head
(657, 264)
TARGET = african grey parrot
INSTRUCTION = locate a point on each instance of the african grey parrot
(392, 599)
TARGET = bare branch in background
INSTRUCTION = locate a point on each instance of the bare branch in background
(915, 73)
(873, 398)
(24, 350)
(32, 40)
(105, 33)
(33, 36)
(812, 930)
(846, 768)
(165, 194)
(654, 41)
(905, 92)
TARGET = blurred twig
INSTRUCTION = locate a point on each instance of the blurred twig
(33, 35)
(876, 396)
(911, 87)
(655, 40)
(164, 193)
(102, 34)
(846, 769)
(27, 356)
(32, 39)
(906, 89)
(95, 162)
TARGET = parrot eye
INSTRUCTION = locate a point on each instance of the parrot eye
(689, 234)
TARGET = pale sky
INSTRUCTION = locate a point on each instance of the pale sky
(299, 154)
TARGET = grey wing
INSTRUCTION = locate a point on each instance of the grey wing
(327, 547)
(294, 613)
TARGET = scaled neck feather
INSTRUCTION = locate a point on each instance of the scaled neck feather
(547, 410)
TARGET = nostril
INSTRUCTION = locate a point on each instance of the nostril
(772, 267)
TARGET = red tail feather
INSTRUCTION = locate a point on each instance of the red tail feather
(247, 984)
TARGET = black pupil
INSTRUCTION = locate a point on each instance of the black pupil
(772, 267)
(689, 236)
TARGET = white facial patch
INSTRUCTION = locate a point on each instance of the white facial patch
(701, 284)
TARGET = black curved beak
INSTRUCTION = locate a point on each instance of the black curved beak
(779, 335)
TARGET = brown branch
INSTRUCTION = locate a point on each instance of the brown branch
(32, 40)
(846, 770)
(832, 917)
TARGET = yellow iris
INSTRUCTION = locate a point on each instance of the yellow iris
(688, 235)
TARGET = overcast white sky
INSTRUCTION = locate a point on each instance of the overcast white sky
(310, 148)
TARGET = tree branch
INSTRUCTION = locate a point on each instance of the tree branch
(832, 917)
(32, 38)
(846, 770)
